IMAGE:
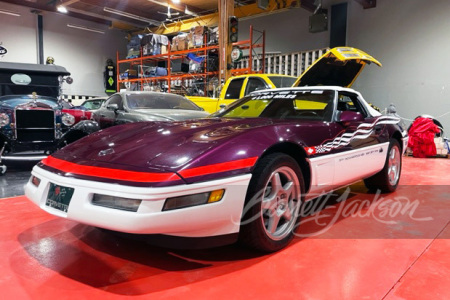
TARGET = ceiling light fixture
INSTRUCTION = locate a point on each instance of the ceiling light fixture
(131, 16)
(85, 28)
(8, 12)
(61, 9)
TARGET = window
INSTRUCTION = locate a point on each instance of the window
(350, 102)
(234, 88)
(116, 99)
(254, 84)
(282, 81)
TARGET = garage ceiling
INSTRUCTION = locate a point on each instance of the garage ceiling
(135, 15)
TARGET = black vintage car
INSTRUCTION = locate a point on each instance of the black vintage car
(32, 124)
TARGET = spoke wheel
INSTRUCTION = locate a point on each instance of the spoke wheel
(280, 203)
(273, 202)
(394, 165)
(387, 179)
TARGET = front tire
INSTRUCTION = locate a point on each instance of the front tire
(272, 204)
(387, 179)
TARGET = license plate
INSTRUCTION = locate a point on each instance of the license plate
(59, 197)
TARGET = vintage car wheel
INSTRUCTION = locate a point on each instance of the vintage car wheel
(272, 204)
(387, 179)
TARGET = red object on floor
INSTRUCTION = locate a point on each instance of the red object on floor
(390, 246)
(421, 137)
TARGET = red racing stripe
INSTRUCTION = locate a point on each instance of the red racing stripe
(221, 167)
(109, 173)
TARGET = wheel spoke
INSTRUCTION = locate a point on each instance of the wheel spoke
(274, 219)
(269, 203)
(276, 183)
(288, 188)
(287, 215)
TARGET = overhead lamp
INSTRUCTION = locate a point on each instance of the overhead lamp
(61, 9)
(81, 27)
(8, 12)
(128, 15)
(176, 1)
(177, 7)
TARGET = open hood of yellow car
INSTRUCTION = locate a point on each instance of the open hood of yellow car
(339, 66)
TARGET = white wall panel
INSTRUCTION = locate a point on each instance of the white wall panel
(82, 53)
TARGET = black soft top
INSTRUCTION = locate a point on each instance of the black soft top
(6, 67)
(43, 79)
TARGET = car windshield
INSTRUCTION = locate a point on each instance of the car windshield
(159, 101)
(92, 104)
(282, 81)
(13, 100)
(293, 104)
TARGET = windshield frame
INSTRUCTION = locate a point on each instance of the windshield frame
(289, 95)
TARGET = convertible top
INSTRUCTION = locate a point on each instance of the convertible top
(7, 67)
(22, 79)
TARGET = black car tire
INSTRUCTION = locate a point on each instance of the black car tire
(270, 215)
(387, 179)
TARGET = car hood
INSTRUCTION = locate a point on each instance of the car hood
(170, 114)
(338, 67)
(164, 146)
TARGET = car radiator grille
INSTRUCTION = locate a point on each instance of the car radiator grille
(35, 125)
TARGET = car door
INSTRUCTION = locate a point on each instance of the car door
(106, 116)
(232, 92)
(360, 145)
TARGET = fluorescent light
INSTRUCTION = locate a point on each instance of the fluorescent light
(8, 12)
(85, 28)
(128, 15)
(176, 1)
(62, 9)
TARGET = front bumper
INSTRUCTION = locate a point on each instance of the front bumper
(214, 219)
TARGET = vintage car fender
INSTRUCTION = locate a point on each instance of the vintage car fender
(79, 130)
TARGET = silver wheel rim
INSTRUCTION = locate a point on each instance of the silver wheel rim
(280, 203)
(394, 165)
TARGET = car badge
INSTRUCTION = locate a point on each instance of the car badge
(106, 152)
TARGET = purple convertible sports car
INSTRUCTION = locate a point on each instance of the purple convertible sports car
(243, 173)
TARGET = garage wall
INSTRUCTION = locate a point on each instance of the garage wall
(410, 38)
(82, 53)
(287, 31)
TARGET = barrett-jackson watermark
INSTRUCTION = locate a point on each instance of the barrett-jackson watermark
(320, 214)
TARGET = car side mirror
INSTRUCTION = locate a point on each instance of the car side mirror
(114, 107)
(348, 117)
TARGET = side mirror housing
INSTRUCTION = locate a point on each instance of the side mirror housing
(113, 107)
(347, 117)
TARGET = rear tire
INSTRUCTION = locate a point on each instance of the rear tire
(387, 179)
(273, 202)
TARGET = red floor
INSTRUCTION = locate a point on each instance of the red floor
(394, 247)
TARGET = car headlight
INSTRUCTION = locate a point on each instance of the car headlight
(4, 119)
(68, 119)
(116, 202)
(193, 200)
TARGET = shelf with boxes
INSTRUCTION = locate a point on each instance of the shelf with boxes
(154, 62)
(188, 64)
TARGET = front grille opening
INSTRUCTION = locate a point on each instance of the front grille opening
(35, 125)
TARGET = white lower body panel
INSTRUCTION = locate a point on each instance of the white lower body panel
(212, 219)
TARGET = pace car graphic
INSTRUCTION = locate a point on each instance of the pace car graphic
(363, 131)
